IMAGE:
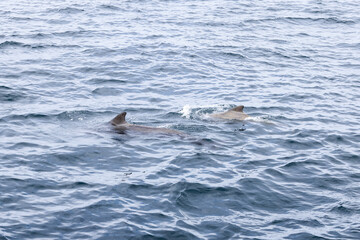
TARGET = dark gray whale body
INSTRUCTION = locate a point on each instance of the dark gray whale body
(122, 126)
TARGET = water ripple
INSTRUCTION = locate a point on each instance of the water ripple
(288, 171)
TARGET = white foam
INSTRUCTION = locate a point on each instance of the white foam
(259, 119)
(201, 111)
(186, 111)
(197, 111)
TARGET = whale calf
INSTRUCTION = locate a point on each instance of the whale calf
(235, 113)
(122, 126)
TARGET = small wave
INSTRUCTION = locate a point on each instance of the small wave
(3, 235)
(7, 132)
(261, 51)
(5, 87)
(305, 235)
(154, 36)
(345, 208)
(21, 19)
(38, 35)
(10, 43)
(67, 10)
(279, 41)
(105, 81)
(34, 46)
(298, 20)
(259, 120)
(76, 115)
(303, 145)
(294, 222)
(349, 45)
(71, 33)
(235, 55)
(110, 7)
(330, 20)
(337, 139)
(106, 91)
(36, 73)
(22, 145)
(100, 52)
(9, 95)
(58, 21)
(23, 117)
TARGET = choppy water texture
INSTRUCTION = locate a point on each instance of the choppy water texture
(290, 172)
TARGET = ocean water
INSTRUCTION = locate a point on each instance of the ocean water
(291, 171)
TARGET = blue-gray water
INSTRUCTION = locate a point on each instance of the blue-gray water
(290, 172)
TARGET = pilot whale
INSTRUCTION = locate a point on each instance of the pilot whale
(235, 113)
(122, 126)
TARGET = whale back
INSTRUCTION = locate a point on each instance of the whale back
(119, 119)
(122, 127)
(235, 113)
(238, 109)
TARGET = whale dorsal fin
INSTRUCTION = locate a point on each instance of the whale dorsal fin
(119, 119)
(238, 108)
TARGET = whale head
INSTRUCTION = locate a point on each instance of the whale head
(119, 119)
(238, 108)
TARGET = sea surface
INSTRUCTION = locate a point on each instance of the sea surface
(290, 171)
